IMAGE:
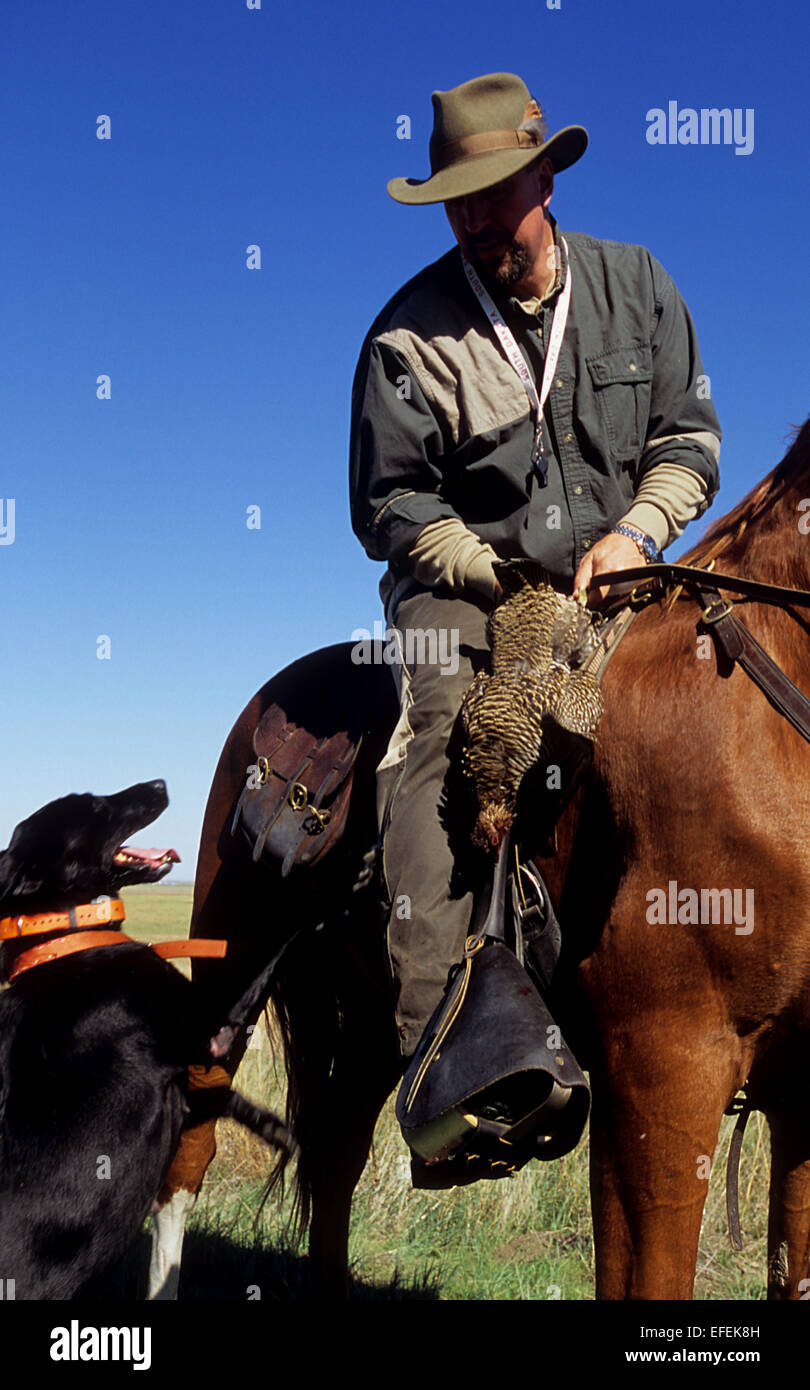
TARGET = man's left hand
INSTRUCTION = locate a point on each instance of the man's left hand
(610, 554)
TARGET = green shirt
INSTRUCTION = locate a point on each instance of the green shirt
(441, 424)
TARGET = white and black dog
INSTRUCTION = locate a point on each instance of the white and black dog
(94, 1047)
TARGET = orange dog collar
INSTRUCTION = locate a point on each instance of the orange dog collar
(201, 947)
(65, 946)
(85, 915)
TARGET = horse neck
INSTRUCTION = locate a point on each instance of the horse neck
(767, 538)
(767, 535)
(773, 548)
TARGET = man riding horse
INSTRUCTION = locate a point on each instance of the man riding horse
(530, 395)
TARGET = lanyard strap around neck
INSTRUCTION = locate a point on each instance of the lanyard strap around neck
(507, 341)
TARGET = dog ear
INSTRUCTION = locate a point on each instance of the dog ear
(14, 883)
(5, 870)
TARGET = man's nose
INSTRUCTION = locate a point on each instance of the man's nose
(474, 212)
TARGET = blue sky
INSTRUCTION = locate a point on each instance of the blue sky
(277, 126)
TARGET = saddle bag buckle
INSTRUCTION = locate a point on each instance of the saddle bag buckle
(298, 798)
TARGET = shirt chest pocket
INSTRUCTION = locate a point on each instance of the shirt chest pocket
(622, 384)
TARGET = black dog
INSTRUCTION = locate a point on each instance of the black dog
(94, 1049)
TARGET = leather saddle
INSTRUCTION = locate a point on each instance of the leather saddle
(325, 717)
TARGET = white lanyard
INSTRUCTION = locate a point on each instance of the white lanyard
(513, 352)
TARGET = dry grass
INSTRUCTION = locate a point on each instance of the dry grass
(528, 1236)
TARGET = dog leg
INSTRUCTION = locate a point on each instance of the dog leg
(181, 1186)
(169, 1220)
(168, 1229)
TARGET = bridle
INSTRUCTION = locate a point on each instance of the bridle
(728, 630)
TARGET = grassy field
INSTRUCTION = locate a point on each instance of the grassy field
(525, 1237)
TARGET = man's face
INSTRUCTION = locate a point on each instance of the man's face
(500, 230)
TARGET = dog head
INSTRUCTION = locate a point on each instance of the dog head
(74, 850)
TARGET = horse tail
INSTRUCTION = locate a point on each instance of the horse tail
(307, 1014)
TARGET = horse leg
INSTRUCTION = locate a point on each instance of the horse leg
(654, 1129)
(335, 1169)
(789, 1207)
(335, 1119)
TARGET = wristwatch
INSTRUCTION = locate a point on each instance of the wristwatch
(645, 543)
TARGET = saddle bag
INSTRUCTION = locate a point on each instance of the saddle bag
(317, 716)
(296, 798)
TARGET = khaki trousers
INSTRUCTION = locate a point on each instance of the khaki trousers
(429, 866)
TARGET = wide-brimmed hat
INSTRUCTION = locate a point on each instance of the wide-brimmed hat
(484, 131)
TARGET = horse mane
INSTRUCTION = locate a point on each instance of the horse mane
(724, 535)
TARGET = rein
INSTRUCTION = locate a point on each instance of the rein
(729, 631)
(692, 577)
(108, 910)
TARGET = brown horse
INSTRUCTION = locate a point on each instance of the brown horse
(697, 785)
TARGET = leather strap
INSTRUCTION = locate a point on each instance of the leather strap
(733, 1175)
(85, 915)
(730, 632)
(694, 577)
(741, 647)
(200, 947)
(65, 946)
(610, 635)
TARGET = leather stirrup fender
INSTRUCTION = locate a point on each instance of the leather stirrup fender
(492, 1076)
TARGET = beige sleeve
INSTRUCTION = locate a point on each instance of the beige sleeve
(446, 552)
(670, 496)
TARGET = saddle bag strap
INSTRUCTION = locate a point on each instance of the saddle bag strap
(538, 937)
(489, 913)
(742, 1108)
(739, 646)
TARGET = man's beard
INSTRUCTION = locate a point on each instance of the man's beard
(515, 263)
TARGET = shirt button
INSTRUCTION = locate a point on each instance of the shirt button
(578, 490)
(632, 366)
(559, 381)
(585, 544)
(568, 439)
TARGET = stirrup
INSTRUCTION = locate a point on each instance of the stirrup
(508, 1088)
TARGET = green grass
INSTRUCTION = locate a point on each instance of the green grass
(157, 910)
(523, 1237)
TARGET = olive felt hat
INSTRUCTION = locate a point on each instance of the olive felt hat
(483, 131)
